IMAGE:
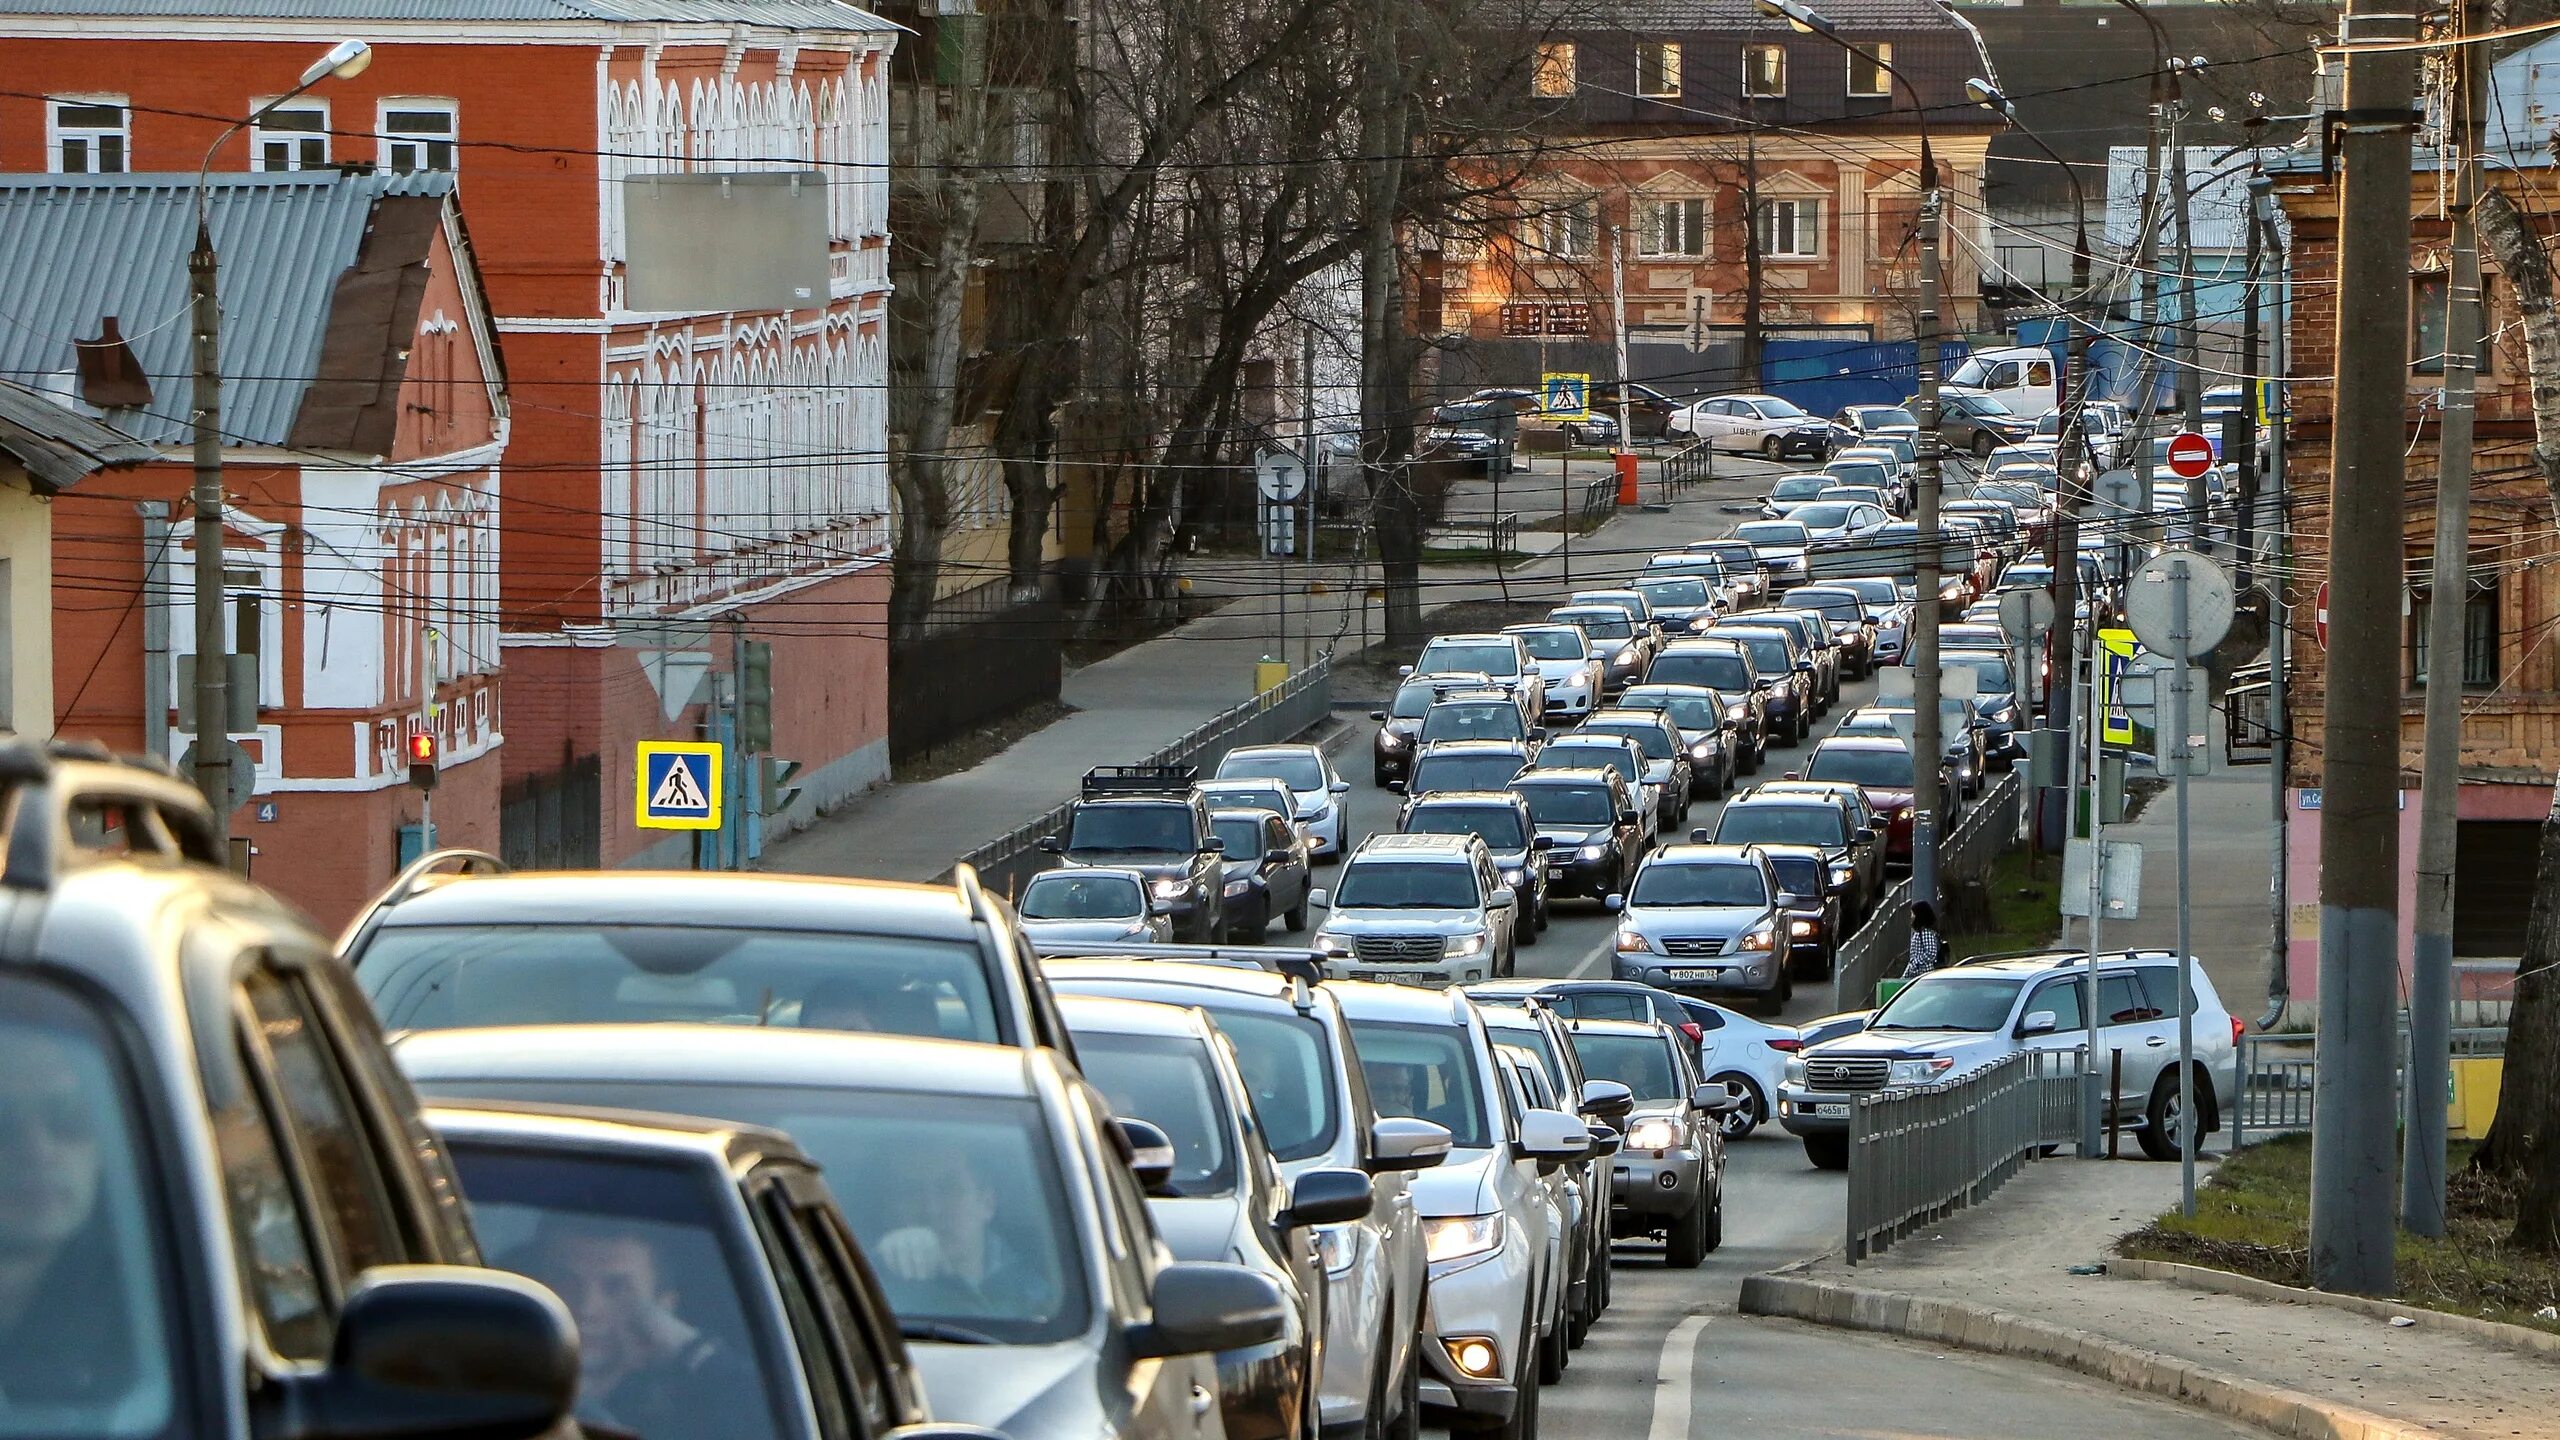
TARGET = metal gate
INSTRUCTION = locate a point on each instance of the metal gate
(553, 821)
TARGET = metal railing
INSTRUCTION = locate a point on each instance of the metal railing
(1291, 708)
(1880, 947)
(1920, 1153)
(1598, 502)
(2278, 1073)
(1691, 462)
(1501, 531)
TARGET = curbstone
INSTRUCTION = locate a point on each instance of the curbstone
(1966, 1326)
(2222, 1282)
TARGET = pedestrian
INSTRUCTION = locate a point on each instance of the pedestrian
(1928, 947)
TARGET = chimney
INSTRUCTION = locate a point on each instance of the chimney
(110, 377)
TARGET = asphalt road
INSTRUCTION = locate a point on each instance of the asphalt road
(1673, 1359)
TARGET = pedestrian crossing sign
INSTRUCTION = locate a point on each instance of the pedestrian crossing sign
(1564, 395)
(679, 786)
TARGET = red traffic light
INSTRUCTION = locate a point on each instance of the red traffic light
(422, 748)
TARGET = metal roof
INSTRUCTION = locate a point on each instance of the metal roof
(57, 445)
(773, 14)
(75, 249)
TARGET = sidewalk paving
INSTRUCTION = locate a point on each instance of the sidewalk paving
(2013, 1256)
(2231, 822)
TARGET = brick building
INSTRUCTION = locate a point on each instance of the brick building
(361, 535)
(675, 481)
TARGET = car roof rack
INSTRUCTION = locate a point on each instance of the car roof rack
(1107, 780)
(415, 877)
(1297, 964)
(55, 783)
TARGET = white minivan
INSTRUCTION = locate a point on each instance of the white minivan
(2024, 378)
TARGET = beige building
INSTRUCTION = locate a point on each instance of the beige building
(45, 449)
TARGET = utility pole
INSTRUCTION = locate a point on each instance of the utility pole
(2276, 508)
(1618, 328)
(2245, 512)
(2191, 377)
(1927, 746)
(2353, 1130)
(213, 647)
(2422, 1157)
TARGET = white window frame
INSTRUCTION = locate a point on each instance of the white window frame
(1555, 72)
(1804, 225)
(298, 140)
(388, 144)
(1667, 68)
(56, 134)
(1575, 222)
(1881, 51)
(1749, 71)
(1649, 229)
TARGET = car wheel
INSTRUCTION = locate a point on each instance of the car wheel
(1738, 1124)
(1555, 1353)
(1827, 1152)
(1686, 1245)
(1378, 777)
(1408, 1421)
(1528, 931)
(2163, 1129)
(1296, 918)
(1715, 1221)
(1772, 449)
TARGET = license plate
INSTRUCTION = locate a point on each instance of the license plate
(1693, 972)
(1407, 977)
(1831, 1112)
(1555, 872)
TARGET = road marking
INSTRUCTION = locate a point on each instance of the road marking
(1671, 1390)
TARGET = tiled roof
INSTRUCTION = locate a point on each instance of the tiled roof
(776, 14)
(76, 249)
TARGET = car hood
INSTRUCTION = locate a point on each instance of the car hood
(1199, 1229)
(1575, 839)
(1018, 1389)
(1560, 669)
(1102, 930)
(1657, 772)
(1405, 922)
(1719, 921)
(1905, 1044)
(1460, 1185)
(1510, 859)
(1240, 869)
(1880, 799)
(1149, 862)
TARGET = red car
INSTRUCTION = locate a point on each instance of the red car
(1880, 766)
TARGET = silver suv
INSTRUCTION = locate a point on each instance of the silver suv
(1419, 910)
(1500, 657)
(1967, 1016)
(1706, 920)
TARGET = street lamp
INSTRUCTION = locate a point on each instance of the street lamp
(1927, 746)
(213, 650)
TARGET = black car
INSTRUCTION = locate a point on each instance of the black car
(1464, 765)
(1854, 852)
(1788, 672)
(1501, 819)
(1814, 634)
(1707, 727)
(1588, 819)
(1268, 873)
(1846, 614)
(1400, 724)
(1815, 923)
(1659, 738)
(1725, 668)
(1151, 819)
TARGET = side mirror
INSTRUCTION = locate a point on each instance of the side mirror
(1202, 1306)
(1321, 898)
(1607, 1100)
(435, 1349)
(1377, 714)
(1864, 834)
(1613, 903)
(1804, 667)
(1395, 787)
(1716, 1097)
(1214, 845)
(1052, 845)
(1628, 817)
(1553, 1137)
(1702, 836)
(1150, 1154)
(1503, 898)
(1728, 727)
(1537, 732)
(1404, 672)
(1795, 774)
(1400, 1142)
(1326, 1197)
(1605, 1140)
(1275, 856)
(1543, 842)
(1340, 787)
(2039, 1023)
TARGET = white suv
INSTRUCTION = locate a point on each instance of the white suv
(1419, 910)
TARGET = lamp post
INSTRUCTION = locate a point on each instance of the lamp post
(213, 649)
(1927, 746)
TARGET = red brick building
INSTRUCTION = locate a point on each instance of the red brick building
(674, 481)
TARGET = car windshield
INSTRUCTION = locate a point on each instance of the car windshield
(1427, 1072)
(1878, 593)
(1166, 1080)
(638, 1251)
(1822, 825)
(1642, 1063)
(1858, 472)
(1651, 739)
(1950, 1002)
(1690, 884)
(1731, 552)
(1799, 487)
(1770, 652)
(1473, 720)
(1298, 772)
(441, 977)
(1269, 796)
(1577, 807)
(1555, 642)
(2027, 496)
(968, 1185)
(1771, 532)
(1439, 658)
(1067, 895)
(1604, 624)
(1463, 772)
(1371, 883)
(1824, 514)
(1876, 417)
(80, 1230)
(1777, 409)
(1798, 874)
(1499, 825)
(1883, 769)
(1716, 671)
(1122, 828)
(1673, 592)
(1840, 605)
(1412, 699)
(1689, 712)
(1565, 756)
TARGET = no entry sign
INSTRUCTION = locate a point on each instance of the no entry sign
(2190, 455)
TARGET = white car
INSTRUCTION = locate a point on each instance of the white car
(1838, 519)
(1762, 424)
(1309, 775)
(1090, 904)
(1751, 1055)
(1498, 657)
(1566, 662)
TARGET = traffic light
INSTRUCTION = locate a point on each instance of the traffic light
(425, 754)
(778, 792)
(755, 696)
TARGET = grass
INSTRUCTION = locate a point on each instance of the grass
(2022, 911)
(2254, 1216)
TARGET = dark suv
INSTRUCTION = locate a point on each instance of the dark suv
(1150, 818)
(232, 1216)
(1501, 819)
(1794, 690)
(1593, 832)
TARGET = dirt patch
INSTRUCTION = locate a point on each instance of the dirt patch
(970, 748)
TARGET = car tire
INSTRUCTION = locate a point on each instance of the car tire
(1685, 1246)
(2160, 1117)
(1827, 1152)
(1527, 934)
(1738, 1124)
(1715, 1222)
(1407, 1424)
(1773, 449)
(1295, 920)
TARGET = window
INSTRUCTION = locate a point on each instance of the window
(1673, 227)
(1764, 71)
(2062, 998)
(1553, 77)
(89, 137)
(1791, 229)
(2479, 631)
(1657, 67)
(355, 1206)
(1867, 72)
(295, 137)
(2427, 294)
(417, 135)
(1568, 231)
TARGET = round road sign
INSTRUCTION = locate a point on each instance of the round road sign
(2320, 615)
(2190, 455)
(2025, 615)
(2151, 604)
(1280, 475)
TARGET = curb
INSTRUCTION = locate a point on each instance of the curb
(2272, 1408)
(2199, 1277)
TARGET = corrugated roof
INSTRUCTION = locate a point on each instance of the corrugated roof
(2217, 195)
(775, 14)
(75, 249)
(59, 446)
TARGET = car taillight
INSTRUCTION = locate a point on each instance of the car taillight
(1788, 1043)
(2239, 1027)
(1696, 1032)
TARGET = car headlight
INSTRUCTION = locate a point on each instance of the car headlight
(1337, 1246)
(1842, 874)
(1455, 1237)
(1803, 929)
(1390, 740)
(1516, 879)
(1737, 713)
(1702, 750)
(1592, 852)
(1631, 942)
(1330, 943)
(1238, 887)
(1654, 1133)
(1899, 812)
(1172, 887)
(1919, 1072)
(1461, 948)
(1795, 1070)
(1760, 938)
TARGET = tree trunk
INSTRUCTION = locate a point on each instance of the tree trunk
(1754, 334)
(2527, 266)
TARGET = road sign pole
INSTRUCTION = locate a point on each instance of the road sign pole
(2094, 1100)
(2180, 698)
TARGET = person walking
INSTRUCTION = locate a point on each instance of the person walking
(1928, 947)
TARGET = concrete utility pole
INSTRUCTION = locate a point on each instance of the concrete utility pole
(2274, 510)
(2448, 600)
(2353, 1132)
(1618, 330)
(2190, 362)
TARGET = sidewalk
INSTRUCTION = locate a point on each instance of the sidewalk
(2013, 1257)
(1155, 692)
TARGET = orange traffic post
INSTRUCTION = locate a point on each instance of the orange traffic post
(1626, 478)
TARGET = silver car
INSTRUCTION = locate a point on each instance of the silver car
(996, 1202)
(1668, 1177)
(1090, 905)
(1705, 920)
(1419, 910)
(1567, 663)
(1499, 656)
(1296, 1053)
(1534, 1029)
(1317, 791)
